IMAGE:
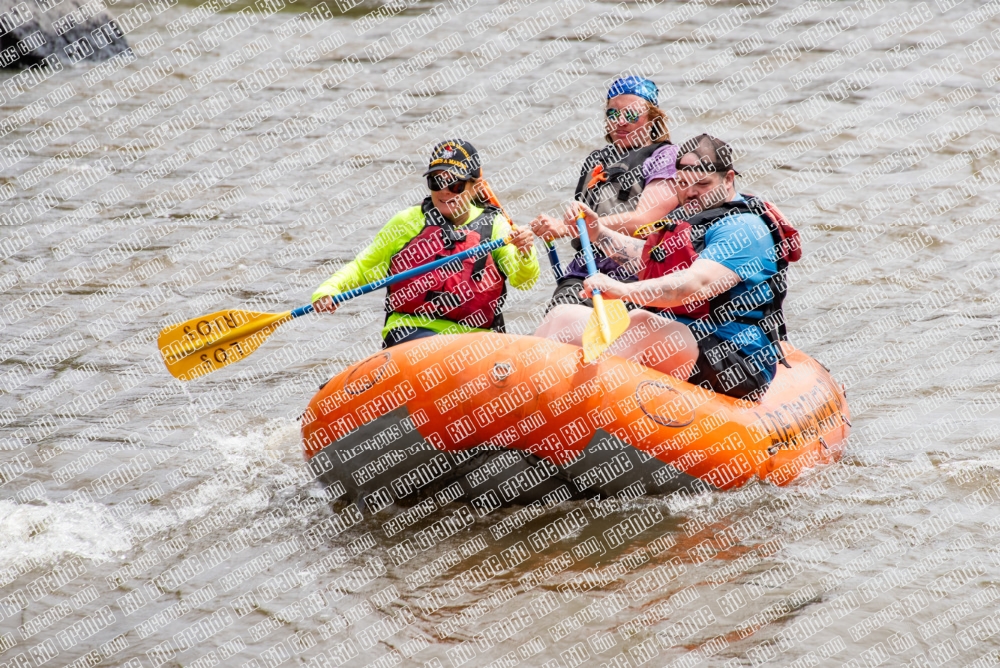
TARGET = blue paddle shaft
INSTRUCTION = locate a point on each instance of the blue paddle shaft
(588, 253)
(554, 260)
(481, 249)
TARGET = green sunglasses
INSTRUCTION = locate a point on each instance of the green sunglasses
(631, 115)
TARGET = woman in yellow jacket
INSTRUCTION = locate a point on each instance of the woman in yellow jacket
(457, 298)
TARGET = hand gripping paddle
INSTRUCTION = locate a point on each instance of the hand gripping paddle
(549, 246)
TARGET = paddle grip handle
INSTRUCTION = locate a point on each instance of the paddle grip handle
(481, 249)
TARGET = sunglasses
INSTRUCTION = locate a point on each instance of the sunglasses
(631, 115)
(436, 183)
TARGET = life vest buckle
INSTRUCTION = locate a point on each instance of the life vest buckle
(661, 224)
(444, 301)
(450, 237)
(598, 175)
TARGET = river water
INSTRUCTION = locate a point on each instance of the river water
(245, 154)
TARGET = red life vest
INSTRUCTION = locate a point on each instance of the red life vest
(675, 245)
(470, 293)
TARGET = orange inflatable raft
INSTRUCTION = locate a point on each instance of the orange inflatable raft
(496, 420)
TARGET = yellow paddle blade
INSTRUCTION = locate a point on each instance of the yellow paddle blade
(602, 316)
(594, 340)
(203, 345)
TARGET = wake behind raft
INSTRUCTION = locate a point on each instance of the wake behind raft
(499, 420)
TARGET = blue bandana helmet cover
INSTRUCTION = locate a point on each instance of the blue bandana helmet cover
(633, 85)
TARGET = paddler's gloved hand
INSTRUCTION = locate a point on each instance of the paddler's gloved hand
(549, 229)
(523, 239)
(325, 305)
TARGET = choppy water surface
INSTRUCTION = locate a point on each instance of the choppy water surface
(143, 522)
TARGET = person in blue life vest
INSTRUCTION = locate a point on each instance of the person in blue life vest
(628, 183)
(454, 217)
(710, 285)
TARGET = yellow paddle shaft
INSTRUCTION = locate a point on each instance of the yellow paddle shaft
(602, 317)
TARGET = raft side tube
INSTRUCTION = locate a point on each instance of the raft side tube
(387, 461)
(498, 420)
